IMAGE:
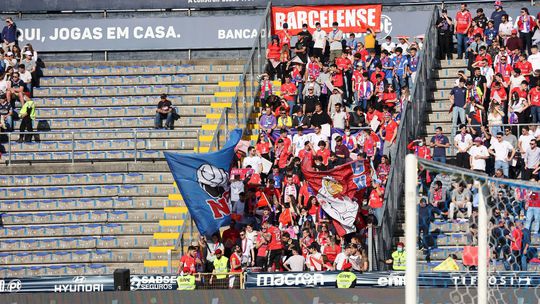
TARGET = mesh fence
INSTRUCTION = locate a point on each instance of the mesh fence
(449, 202)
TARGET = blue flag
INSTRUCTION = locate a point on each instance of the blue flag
(203, 181)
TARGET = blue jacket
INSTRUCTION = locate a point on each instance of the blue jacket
(9, 33)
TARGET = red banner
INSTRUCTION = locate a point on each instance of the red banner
(351, 18)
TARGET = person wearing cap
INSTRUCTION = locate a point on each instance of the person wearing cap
(478, 155)
(463, 23)
(9, 35)
(525, 24)
(497, 14)
(458, 98)
(319, 39)
(334, 38)
(29, 62)
(220, 267)
(514, 42)
(9, 60)
(6, 114)
(399, 258)
(505, 29)
(164, 110)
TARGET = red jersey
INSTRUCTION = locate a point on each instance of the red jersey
(422, 152)
(370, 143)
(521, 93)
(343, 63)
(237, 261)
(463, 20)
(284, 37)
(331, 251)
(390, 128)
(517, 234)
(374, 76)
(286, 142)
(289, 88)
(275, 242)
(363, 54)
(337, 79)
(306, 154)
(525, 67)
(501, 92)
(480, 58)
(534, 95)
(369, 116)
(325, 155)
(261, 251)
(263, 147)
(188, 264)
(274, 51)
(376, 200)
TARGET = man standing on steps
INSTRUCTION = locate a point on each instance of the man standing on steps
(457, 97)
(444, 27)
(463, 142)
(463, 23)
(439, 143)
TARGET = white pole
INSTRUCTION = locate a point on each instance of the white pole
(411, 177)
(482, 247)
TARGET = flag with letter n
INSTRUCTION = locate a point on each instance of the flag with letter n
(203, 181)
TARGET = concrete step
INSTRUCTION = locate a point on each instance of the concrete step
(440, 117)
(456, 63)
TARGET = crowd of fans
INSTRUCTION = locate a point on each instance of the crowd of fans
(495, 106)
(340, 100)
(18, 75)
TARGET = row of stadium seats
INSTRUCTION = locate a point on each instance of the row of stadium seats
(84, 178)
(84, 229)
(97, 146)
(115, 111)
(140, 100)
(84, 203)
(87, 216)
(103, 70)
(63, 243)
(71, 256)
(84, 191)
(137, 80)
(131, 90)
(65, 269)
(118, 122)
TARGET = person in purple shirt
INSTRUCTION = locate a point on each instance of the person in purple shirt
(268, 121)
(9, 35)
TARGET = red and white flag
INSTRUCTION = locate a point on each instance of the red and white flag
(335, 191)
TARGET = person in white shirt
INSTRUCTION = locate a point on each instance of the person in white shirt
(488, 72)
(237, 187)
(342, 259)
(339, 118)
(253, 160)
(478, 155)
(26, 77)
(250, 233)
(534, 58)
(299, 140)
(404, 45)
(248, 250)
(314, 260)
(239, 206)
(505, 28)
(295, 262)
(463, 141)
(516, 79)
(316, 137)
(503, 152)
(388, 45)
(334, 38)
(319, 39)
(524, 140)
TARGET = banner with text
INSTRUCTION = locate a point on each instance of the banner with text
(350, 18)
(118, 34)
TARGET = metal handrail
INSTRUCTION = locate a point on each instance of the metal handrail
(135, 135)
(412, 118)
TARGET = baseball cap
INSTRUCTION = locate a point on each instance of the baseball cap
(478, 140)
(514, 31)
(9, 54)
(28, 53)
(218, 251)
(498, 3)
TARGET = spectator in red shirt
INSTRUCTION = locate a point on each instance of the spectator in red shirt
(482, 54)
(388, 131)
(273, 239)
(463, 23)
(420, 149)
(284, 35)
(376, 200)
(188, 262)
(516, 238)
(230, 237)
(534, 102)
(524, 65)
(273, 53)
(337, 76)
